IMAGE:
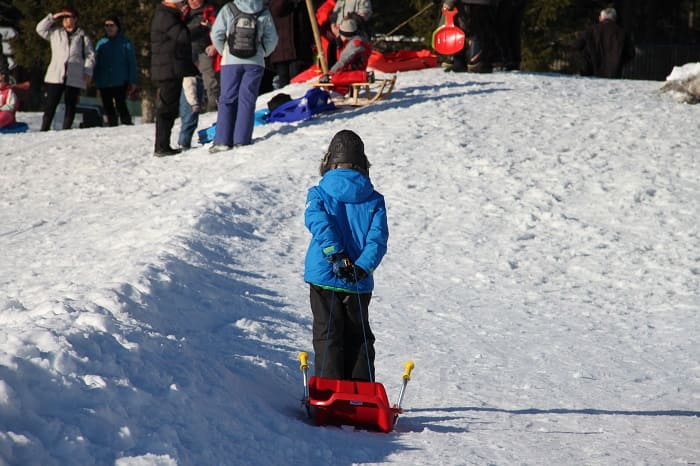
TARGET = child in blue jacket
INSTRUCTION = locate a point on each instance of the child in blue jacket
(348, 224)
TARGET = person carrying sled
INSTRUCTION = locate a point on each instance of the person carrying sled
(349, 233)
(478, 19)
(8, 100)
(351, 66)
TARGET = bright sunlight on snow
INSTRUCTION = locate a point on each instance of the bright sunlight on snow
(543, 273)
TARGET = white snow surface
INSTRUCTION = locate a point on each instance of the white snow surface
(543, 273)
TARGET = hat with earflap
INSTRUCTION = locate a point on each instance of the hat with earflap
(346, 150)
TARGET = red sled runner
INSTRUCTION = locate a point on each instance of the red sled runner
(363, 405)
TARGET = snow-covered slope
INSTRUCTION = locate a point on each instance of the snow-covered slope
(543, 273)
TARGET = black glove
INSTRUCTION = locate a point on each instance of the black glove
(354, 274)
(340, 263)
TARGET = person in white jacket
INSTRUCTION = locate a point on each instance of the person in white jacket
(71, 66)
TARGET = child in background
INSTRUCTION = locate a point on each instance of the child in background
(8, 100)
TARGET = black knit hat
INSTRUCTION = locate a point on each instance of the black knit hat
(346, 150)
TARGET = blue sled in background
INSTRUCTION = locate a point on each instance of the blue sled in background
(16, 127)
(315, 101)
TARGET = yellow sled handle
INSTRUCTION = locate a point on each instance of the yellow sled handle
(408, 367)
(304, 361)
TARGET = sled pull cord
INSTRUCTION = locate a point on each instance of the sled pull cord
(364, 332)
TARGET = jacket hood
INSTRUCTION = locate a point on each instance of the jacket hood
(249, 6)
(347, 185)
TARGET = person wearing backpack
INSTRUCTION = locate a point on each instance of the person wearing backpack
(244, 34)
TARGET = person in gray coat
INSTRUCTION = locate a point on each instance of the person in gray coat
(71, 67)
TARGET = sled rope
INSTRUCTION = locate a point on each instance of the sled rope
(364, 332)
(328, 333)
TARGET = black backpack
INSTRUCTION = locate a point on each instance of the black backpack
(243, 35)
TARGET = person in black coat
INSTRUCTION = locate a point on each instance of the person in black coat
(477, 18)
(293, 53)
(606, 47)
(171, 60)
(509, 19)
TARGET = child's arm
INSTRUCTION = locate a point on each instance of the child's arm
(376, 242)
(319, 224)
(189, 87)
(11, 104)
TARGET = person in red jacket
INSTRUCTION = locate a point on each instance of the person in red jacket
(351, 65)
(8, 100)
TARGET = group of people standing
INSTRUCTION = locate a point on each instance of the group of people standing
(75, 62)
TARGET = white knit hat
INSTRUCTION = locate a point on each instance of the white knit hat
(348, 27)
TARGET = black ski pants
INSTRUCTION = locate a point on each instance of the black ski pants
(167, 112)
(343, 341)
(113, 101)
(54, 92)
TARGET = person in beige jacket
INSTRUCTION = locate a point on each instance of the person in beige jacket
(71, 66)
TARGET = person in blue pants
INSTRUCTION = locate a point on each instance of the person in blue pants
(240, 77)
(191, 99)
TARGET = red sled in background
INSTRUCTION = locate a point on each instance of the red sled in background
(363, 405)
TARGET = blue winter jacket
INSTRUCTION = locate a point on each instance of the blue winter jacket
(345, 214)
(116, 62)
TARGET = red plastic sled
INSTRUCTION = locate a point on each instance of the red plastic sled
(448, 39)
(348, 402)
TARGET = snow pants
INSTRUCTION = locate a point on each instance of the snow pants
(342, 339)
(54, 92)
(236, 111)
(167, 111)
(113, 101)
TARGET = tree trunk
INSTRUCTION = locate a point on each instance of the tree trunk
(148, 105)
